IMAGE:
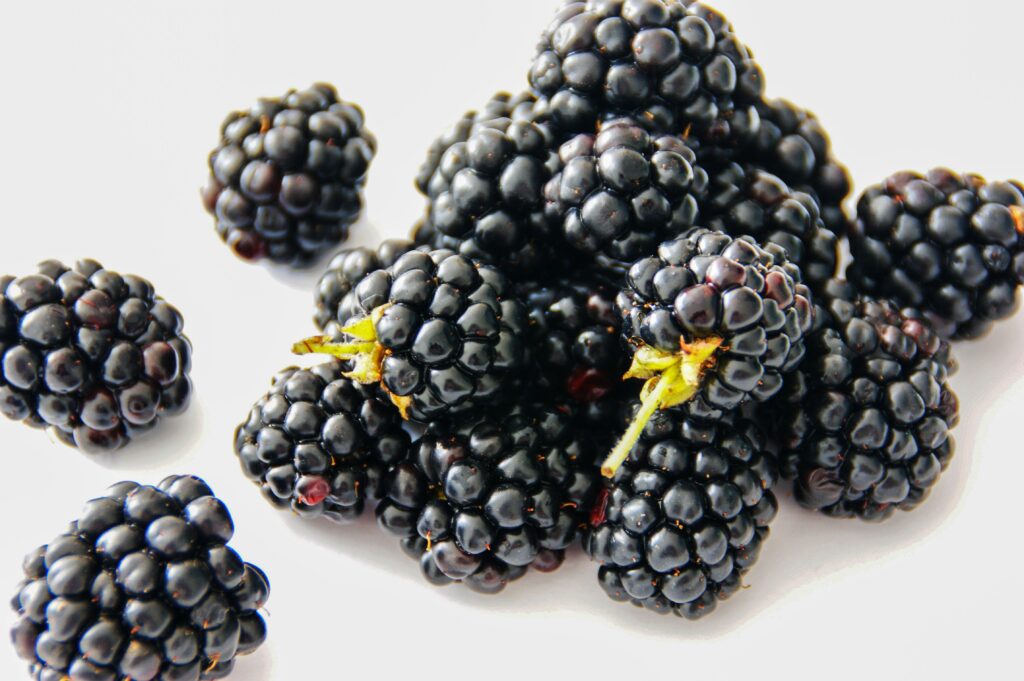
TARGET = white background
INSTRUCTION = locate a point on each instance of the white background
(107, 112)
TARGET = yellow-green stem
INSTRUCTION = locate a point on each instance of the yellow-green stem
(650, 404)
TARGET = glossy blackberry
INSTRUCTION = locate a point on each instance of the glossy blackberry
(319, 443)
(746, 201)
(685, 516)
(480, 501)
(439, 332)
(93, 356)
(142, 586)
(676, 65)
(864, 424)
(621, 191)
(949, 245)
(286, 179)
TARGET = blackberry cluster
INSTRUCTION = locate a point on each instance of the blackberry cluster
(142, 586)
(949, 245)
(864, 424)
(480, 501)
(286, 179)
(676, 65)
(685, 516)
(319, 443)
(621, 192)
(93, 356)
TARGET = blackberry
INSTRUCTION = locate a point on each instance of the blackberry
(712, 321)
(481, 500)
(93, 356)
(950, 245)
(621, 191)
(142, 586)
(864, 423)
(439, 332)
(747, 201)
(674, 64)
(685, 516)
(319, 443)
(286, 179)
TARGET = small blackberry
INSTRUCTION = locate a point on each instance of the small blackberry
(286, 179)
(864, 423)
(142, 586)
(93, 356)
(950, 245)
(320, 443)
(621, 191)
(481, 500)
(685, 516)
(439, 332)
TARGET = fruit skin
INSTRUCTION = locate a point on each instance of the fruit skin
(286, 178)
(685, 516)
(141, 586)
(93, 356)
(864, 423)
(949, 245)
(320, 444)
(479, 501)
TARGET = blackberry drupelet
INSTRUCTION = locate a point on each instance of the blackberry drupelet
(286, 179)
(93, 356)
(621, 191)
(864, 423)
(319, 443)
(685, 516)
(949, 245)
(439, 332)
(142, 586)
(673, 64)
(479, 501)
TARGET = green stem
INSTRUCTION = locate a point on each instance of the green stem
(650, 404)
(320, 345)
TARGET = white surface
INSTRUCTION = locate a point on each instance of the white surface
(107, 112)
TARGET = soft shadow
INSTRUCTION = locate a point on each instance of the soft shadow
(171, 440)
(256, 667)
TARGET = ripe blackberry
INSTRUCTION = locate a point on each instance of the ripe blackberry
(286, 179)
(93, 356)
(479, 501)
(319, 443)
(621, 191)
(142, 586)
(950, 245)
(747, 201)
(676, 65)
(439, 332)
(685, 516)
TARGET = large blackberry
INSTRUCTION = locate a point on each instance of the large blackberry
(481, 500)
(286, 179)
(621, 191)
(439, 332)
(142, 586)
(864, 423)
(685, 516)
(675, 65)
(949, 245)
(93, 356)
(320, 443)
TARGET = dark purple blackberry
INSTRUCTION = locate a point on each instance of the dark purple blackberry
(746, 201)
(950, 245)
(685, 516)
(439, 332)
(478, 502)
(319, 443)
(864, 423)
(286, 179)
(621, 192)
(673, 64)
(142, 586)
(93, 356)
